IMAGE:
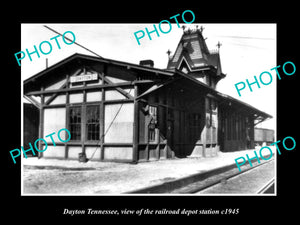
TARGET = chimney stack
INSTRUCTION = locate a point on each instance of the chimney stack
(147, 62)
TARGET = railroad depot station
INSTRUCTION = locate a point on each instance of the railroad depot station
(119, 111)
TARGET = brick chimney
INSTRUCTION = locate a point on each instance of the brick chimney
(147, 62)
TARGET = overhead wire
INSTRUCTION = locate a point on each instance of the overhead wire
(74, 41)
(117, 113)
(109, 126)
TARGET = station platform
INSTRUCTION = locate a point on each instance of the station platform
(70, 177)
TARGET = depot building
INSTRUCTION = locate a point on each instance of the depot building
(118, 111)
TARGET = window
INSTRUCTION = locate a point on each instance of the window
(153, 123)
(75, 122)
(184, 69)
(92, 123)
(211, 113)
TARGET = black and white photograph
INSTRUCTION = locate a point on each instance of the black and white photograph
(149, 116)
(134, 112)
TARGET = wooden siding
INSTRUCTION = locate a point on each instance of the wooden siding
(115, 143)
(192, 119)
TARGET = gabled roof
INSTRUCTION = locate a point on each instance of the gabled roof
(218, 95)
(170, 76)
(192, 47)
(225, 97)
(80, 59)
(75, 57)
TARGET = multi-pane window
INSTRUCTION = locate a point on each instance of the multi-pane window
(153, 123)
(75, 123)
(92, 123)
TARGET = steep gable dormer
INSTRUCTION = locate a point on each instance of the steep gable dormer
(193, 57)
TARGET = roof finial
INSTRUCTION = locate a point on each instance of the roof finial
(219, 45)
(169, 52)
(183, 27)
(201, 29)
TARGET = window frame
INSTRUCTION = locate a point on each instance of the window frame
(71, 123)
(86, 123)
(153, 124)
(84, 130)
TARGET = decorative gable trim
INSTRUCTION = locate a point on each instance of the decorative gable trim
(181, 61)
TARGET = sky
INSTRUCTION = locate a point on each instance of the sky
(247, 50)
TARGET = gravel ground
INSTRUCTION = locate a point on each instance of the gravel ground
(66, 177)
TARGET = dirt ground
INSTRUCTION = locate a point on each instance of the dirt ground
(66, 177)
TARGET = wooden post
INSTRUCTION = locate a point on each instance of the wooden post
(102, 111)
(41, 125)
(135, 126)
(67, 113)
(158, 110)
(83, 127)
(205, 128)
(167, 124)
(83, 117)
(67, 122)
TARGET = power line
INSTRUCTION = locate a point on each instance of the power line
(74, 42)
(111, 123)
